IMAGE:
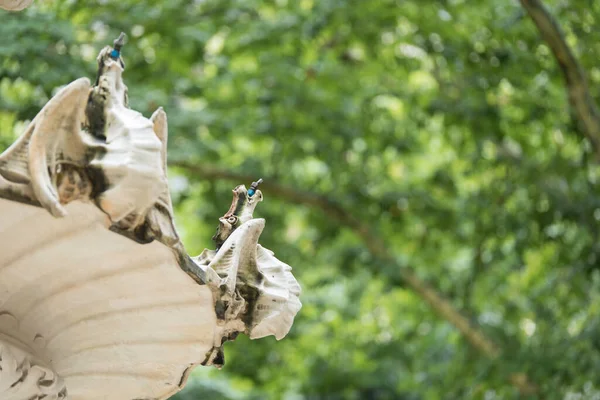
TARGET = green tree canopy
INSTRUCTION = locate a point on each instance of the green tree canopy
(426, 175)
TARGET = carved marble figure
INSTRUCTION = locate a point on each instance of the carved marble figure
(98, 297)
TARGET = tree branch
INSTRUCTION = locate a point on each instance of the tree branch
(578, 91)
(377, 247)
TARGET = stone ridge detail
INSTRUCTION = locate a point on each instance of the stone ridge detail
(87, 144)
(255, 293)
(24, 377)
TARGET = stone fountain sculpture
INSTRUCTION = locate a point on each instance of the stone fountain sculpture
(98, 298)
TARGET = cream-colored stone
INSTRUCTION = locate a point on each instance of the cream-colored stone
(24, 376)
(113, 318)
(15, 5)
(245, 266)
(98, 298)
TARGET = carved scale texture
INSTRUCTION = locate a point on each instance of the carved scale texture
(132, 164)
(279, 299)
(259, 289)
(22, 377)
(56, 162)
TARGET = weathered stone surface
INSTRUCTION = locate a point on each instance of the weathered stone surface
(113, 318)
(255, 292)
(95, 285)
(24, 376)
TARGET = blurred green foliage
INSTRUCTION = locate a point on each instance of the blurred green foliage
(442, 125)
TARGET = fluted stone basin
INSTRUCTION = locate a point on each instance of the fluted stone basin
(114, 319)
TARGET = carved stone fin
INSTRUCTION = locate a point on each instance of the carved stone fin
(161, 129)
(22, 376)
(57, 129)
(52, 137)
(256, 294)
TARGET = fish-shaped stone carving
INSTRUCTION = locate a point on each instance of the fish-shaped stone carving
(87, 144)
(255, 293)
